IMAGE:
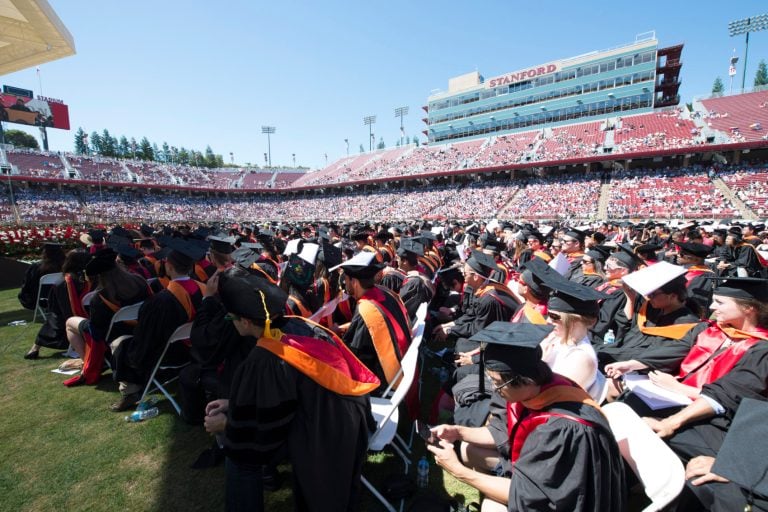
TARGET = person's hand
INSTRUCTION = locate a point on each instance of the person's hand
(663, 380)
(701, 467)
(444, 314)
(450, 433)
(619, 368)
(212, 285)
(215, 424)
(219, 406)
(629, 291)
(723, 265)
(445, 456)
(465, 358)
(440, 332)
(664, 428)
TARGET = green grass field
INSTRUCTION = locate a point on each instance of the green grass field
(63, 449)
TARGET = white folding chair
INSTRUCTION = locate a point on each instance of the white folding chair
(46, 280)
(385, 412)
(153, 384)
(87, 298)
(655, 464)
(124, 314)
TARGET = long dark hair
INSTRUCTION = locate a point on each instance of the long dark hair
(118, 284)
(52, 259)
(75, 262)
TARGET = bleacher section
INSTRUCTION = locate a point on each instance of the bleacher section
(36, 164)
(572, 141)
(48, 205)
(562, 198)
(743, 117)
(98, 168)
(671, 194)
(506, 149)
(657, 130)
(751, 186)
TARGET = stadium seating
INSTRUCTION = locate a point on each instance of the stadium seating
(742, 117)
(506, 149)
(658, 130)
(37, 164)
(564, 197)
(572, 141)
(751, 186)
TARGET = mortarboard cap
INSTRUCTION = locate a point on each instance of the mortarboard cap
(223, 245)
(750, 288)
(361, 266)
(534, 274)
(662, 275)
(146, 230)
(410, 245)
(575, 233)
(698, 250)
(188, 248)
(743, 451)
(482, 263)
(245, 257)
(127, 251)
(512, 347)
(102, 261)
(251, 296)
(599, 253)
(569, 296)
(330, 255)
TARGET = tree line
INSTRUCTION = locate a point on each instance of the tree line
(107, 145)
(761, 78)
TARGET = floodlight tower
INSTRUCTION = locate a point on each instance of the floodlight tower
(745, 26)
(400, 112)
(370, 121)
(269, 130)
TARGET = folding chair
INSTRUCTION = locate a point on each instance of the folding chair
(655, 464)
(46, 280)
(124, 314)
(87, 298)
(180, 334)
(385, 412)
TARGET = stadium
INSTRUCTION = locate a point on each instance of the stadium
(598, 149)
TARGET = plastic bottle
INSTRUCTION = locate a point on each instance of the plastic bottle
(17, 322)
(609, 337)
(422, 473)
(137, 416)
(147, 403)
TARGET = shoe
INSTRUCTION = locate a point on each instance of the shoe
(126, 402)
(271, 478)
(32, 354)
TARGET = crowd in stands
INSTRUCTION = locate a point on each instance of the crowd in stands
(671, 193)
(572, 141)
(660, 130)
(562, 197)
(743, 117)
(750, 185)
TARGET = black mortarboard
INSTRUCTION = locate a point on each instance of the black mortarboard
(735, 232)
(188, 248)
(750, 288)
(251, 296)
(575, 233)
(757, 226)
(410, 245)
(223, 245)
(598, 252)
(567, 296)
(254, 246)
(145, 230)
(741, 458)
(626, 256)
(101, 262)
(120, 231)
(698, 250)
(512, 347)
(201, 233)
(427, 235)
(482, 263)
(127, 251)
(330, 255)
(361, 266)
(97, 235)
(53, 245)
(245, 257)
(534, 274)
(360, 236)
(647, 248)
(448, 274)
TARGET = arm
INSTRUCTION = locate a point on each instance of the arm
(619, 368)
(698, 410)
(479, 436)
(578, 367)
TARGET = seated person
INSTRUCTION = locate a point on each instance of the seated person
(563, 455)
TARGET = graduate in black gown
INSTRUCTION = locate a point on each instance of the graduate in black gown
(562, 452)
(319, 414)
(417, 287)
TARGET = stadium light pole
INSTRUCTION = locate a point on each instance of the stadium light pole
(745, 26)
(370, 121)
(269, 130)
(400, 112)
(346, 141)
(293, 155)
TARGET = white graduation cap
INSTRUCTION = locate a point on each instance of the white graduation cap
(492, 225)
(361, 259)
(308, 251)
(560, 263)
(653, 277)
(544, 230)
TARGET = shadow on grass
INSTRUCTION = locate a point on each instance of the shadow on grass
(18, 314)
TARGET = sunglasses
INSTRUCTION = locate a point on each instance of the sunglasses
(553, 316)
(587, 262)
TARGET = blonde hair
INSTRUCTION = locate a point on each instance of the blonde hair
(569, 320)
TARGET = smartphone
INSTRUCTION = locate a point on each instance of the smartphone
(425, 431)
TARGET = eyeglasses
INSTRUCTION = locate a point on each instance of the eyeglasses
(497, 389)
(553, 316)
(654, 293)
(566, 241)
(229, 317)
(587, 262)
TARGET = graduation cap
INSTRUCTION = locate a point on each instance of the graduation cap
(576, 233)
(568, 296)
(750, 288)
(698, 250)
(245, 257)
(223, 245)
(361, 266)
(359, 236)
(534, 274)
(627, 256)
(53, 245)
(448, 274)
(102, 261)
(735, 232)
(146, 230)
(662, 276)
(647, 249)
(127, 251)
(120, 231)
(251, 296)
(187, 248)
(329, 254)
(512, 347)
(482, 263)
(740, 459)
(410, 245)
(427, 235)
(599, 253)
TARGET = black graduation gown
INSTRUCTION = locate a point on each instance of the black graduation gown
(413, 292)
(53, 333)
(633, 344)
(610, 309)
(591, 280)
(700, 293)
(565, 465)
(272, 405)
(28, 293)
(392, 279)
(748, 379)
(482, 312)
(744, 256)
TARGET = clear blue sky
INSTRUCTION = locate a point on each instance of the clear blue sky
(194, 73)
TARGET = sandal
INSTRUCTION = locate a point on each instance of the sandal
(32, 354)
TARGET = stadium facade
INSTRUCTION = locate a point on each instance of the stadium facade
(629, 79)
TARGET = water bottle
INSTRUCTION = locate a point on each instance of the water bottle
(147, 403)
(609, 337)
(137, 416)
(422, 473)
(17, 322)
